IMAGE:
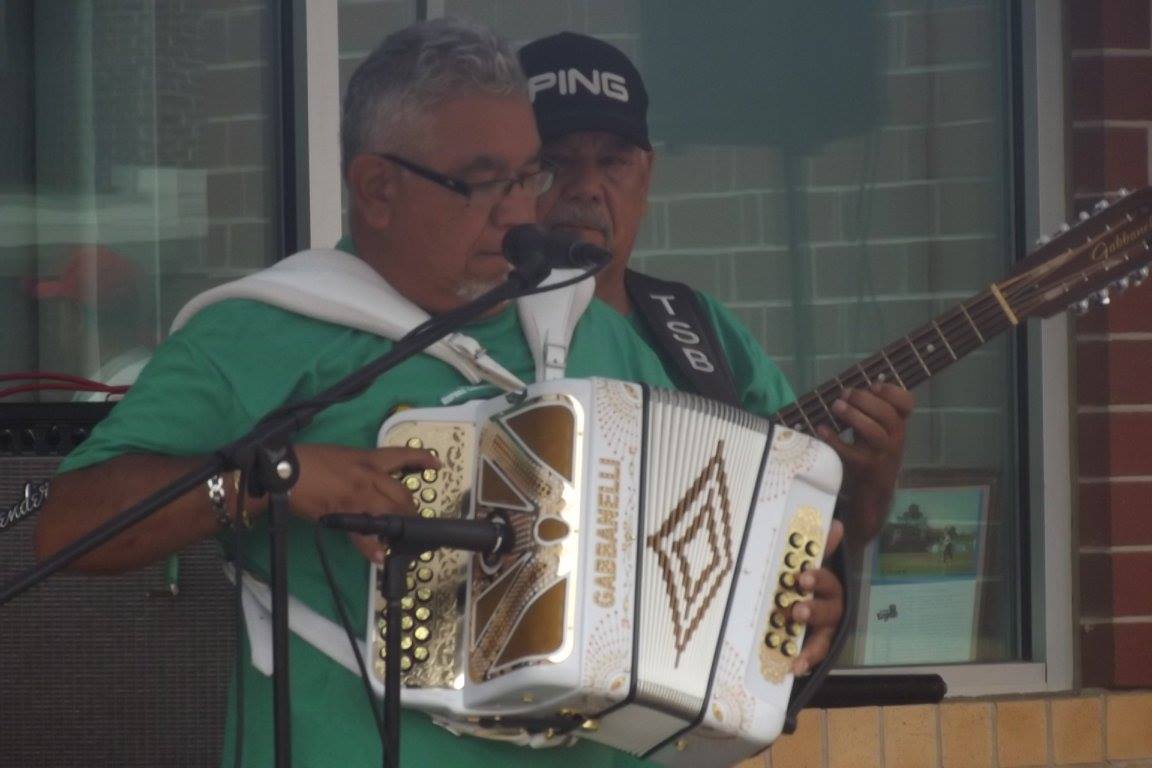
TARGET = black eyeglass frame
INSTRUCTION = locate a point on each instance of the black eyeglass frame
(465, 188)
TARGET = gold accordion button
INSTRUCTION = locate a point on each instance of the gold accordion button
(407, 602)
(773, 640)
(791, 559)
(796, 540)
(425, 557)
(420, 653)
(776, 620)
(428, 494)
(812, 548)
(415, 442)
(427, 512)
(421, 634)
(406, 642)
(794, 628)
(405, 663)
(411, 482)
(785, 599)
(790, 649)
(406, 623)
(424, 594)
(422, 613)
(429, 475)
(788, 580)
(424, 573)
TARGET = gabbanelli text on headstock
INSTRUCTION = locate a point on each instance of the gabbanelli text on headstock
(1105, 252)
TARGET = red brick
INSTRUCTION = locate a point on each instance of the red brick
(1114, 444)
(1131, 513)
(1109, 24)
(1131, 577)
(1115, 514)
(1114, 372)
(1106, 159)
(1113, 88)
(1132, 655)
(1094, 514)
(1096, 586)
(1097, 655)
(1130, 313)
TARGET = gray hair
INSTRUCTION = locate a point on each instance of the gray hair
(414, 70)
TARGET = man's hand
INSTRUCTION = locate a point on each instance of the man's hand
(877, 417)
(353, 481)
(822, 613)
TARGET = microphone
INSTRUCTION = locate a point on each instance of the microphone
(529, 245)
(491, 536)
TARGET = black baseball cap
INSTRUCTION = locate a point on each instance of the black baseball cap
(579, 83)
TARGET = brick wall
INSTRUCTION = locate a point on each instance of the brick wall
(1090, 730)
(1111, 96)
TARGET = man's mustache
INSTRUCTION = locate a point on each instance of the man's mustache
(583, 215)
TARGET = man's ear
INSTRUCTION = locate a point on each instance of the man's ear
(372, 183)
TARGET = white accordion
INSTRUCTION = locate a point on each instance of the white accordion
(657, 536)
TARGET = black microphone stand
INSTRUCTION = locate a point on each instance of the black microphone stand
(407, 537)
(266, 453)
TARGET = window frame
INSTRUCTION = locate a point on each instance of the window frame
(1041, 161)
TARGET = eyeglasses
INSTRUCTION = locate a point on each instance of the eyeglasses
(535, 183)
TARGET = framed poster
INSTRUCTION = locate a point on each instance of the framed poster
(921, 577)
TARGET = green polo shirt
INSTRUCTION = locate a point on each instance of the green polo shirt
(236, 360)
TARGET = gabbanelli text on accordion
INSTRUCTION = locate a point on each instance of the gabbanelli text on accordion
(657, 536)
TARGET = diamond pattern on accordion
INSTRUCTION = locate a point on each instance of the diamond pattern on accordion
(704, 510)
(521, 600)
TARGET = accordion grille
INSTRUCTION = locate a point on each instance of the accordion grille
(701, 470)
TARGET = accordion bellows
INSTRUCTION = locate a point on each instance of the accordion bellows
(657, 536)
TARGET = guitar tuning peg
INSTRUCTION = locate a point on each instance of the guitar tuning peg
(1123, 192)
(1084, 216)
(1103, 298)
(1101, 205)
(1043, 240)
(1140, 275)
(1064, 227)
(1121, 285)
(1081, 307)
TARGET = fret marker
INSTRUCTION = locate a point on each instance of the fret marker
(923, 365)
(930, 348)
(893, 369)
(944, 339)
(880, 377)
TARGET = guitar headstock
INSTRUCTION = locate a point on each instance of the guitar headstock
(1101, 255)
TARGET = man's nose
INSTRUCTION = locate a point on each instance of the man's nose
(580, 181)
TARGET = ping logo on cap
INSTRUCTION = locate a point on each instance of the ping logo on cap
(570, 81)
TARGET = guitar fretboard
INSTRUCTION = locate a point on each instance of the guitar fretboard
(906, 362)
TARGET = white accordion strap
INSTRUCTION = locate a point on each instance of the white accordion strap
(549, 318)
(339, 288)
(320, 632)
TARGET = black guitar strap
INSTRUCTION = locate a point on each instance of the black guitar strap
(684, 337)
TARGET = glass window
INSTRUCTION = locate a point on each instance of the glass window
(838, 174)
(137, 168)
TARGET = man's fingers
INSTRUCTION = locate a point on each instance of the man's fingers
(816, 647)
(867, 415)
(901, 400)
(396, 459)
(835, 536)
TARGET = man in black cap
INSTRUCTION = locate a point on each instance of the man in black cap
(591, 110)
